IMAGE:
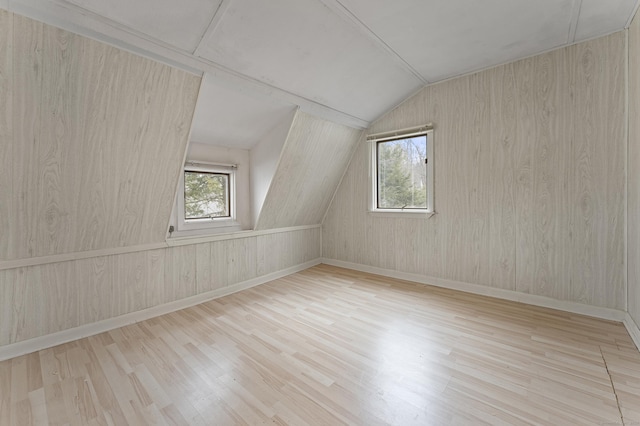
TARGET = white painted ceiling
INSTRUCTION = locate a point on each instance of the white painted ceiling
(348, 61)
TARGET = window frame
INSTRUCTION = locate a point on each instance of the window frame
(184, 224)
(373, 141)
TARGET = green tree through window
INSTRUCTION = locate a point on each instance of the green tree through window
(402, 173)
(206, 195)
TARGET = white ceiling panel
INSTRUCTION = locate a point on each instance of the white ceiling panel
(599, 17)
(441, 39)
(304, 47)
(348, 61)
(226, 116)
(178, 23)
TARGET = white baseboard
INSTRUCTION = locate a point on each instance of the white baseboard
(530, 299)
(38, 343)
(633, 329)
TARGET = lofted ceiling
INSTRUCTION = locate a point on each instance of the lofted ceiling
(348, 61)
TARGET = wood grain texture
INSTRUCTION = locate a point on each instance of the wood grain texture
(337, 347)
(6, 127)
(529, 181)
(633, 172)
(44, 299)
(597, 178)
(501, 199)
(97, 136)
(313, 159)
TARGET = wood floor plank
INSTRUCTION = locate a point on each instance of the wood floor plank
(334, 346)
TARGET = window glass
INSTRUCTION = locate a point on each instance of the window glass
(402, 173)
(206, 195)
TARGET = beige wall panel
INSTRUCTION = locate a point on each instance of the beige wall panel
(40, 299)
(55, 296)
(6, 128)
(96, 285)
(509, 179)
(293, 247)
(352, 227)
(10, 315)
(98, 139)
(524, 151)
(633, 215)
(43, 299)
(273, 243)
(26, 131)
(543, 144)
(312, 161)
(180, 272)
(204, 280)
(219, 269)
(242, 259)
(501, 198)
(597, 167)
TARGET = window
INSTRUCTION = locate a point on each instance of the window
(402, 171)
(206, 197)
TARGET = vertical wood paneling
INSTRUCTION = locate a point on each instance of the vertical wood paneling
(529, 181)
(597, 179)
(633, 182)
(543, 141)
(293, 248)
(524, 164)
(95, 288)
(180, 272)
(6, 128)
(26, 132)
(43, 299)
(219, 270)
(203, 268)
(96, 144)
(241, 259)
(54, 297)
(477, 147)
(312, 161)
(501, 200)
(454, 196)
(9, 315)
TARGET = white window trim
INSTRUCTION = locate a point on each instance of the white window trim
(372, 140)
(220, 224)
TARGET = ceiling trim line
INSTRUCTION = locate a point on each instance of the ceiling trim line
(83, 22)
(342, 11)
(633, 14)
(215, 21)
(575, 19)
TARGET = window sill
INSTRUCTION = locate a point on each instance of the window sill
(402, 214)
(174, 241)
(211, 229)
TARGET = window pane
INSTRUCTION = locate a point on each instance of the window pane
(206, 195)
(402, 173)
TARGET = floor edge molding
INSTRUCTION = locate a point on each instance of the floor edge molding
(514, 296)
(49, 340)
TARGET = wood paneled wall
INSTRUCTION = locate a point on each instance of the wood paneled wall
(44, 299)
(264, 158)
(312, 162)
(530, 180)
(633, 182)
(92, 142)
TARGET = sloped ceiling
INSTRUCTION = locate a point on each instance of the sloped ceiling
(313, 160)
(347, 61)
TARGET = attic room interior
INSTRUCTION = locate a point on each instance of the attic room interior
(319, 212)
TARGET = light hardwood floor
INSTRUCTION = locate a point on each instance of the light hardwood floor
(330, 346)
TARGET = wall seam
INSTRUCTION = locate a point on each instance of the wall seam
(626, 172)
